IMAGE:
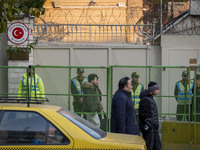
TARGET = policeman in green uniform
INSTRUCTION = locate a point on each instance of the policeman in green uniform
(76, 83)
(137, 88)
(183, 92)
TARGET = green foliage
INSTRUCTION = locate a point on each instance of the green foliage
(11, 9)
(19, 50)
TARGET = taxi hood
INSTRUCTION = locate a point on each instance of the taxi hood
(123, 138)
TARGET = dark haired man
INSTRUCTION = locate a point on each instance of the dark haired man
(148, 117)
(90, 103)
(123, 117)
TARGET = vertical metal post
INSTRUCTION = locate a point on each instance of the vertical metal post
(112, 33)
(69, 88)
(185, 101)
(95, 33)
(27, 88)
(103, 33)
(134, 34)
(90, 33)
(67, 33)
(128, 34)
(99, 33)
(121, 29)
(107, 33)
(80, 33)
(142, 41)
(72, 28)
(110, 94)
(33, 71)
(161, 27)
(187, 98)
(194, 104)
(149, 74)
(85, 32)
(76, 33)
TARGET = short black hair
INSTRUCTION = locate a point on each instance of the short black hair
(92, 77)
(123, 82)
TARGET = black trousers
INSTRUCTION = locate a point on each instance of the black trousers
(180, 109)
(152, 140)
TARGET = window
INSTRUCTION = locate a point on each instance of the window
(85, 125)
(20, 127)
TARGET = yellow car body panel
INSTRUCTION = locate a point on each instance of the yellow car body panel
(79, 139)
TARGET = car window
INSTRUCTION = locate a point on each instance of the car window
(85, 125)
(21, 127)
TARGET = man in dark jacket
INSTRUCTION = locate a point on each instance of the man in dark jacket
(148, 117)
(90, 100)
(123, 117)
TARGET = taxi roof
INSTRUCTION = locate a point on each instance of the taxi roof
(17, 103)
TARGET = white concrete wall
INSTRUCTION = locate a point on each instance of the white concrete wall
(177, 50)
(96, 55)
(56, 80)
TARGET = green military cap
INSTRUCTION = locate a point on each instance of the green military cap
(80, 70)
(135, 74)
(184, 73)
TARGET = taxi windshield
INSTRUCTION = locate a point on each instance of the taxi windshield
(85, 125)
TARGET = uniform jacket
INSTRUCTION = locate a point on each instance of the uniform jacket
(148, 111)
(123, 117)
(90, 103)
(176, 90)
(137, 88)
(74, 83)
(37, 87)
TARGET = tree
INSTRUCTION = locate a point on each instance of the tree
(11, 10)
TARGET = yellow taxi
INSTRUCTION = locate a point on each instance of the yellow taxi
(27, 126)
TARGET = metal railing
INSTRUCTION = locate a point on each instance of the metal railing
(80, 33)
(57, 82)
